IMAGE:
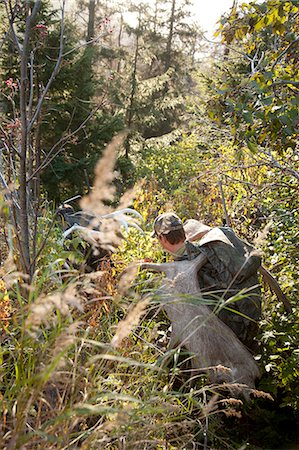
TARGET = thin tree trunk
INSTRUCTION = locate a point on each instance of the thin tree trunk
(91, 21)
(119, 41)
(225, 212)
(130, 110)
(24, 223)
(24, 219)
(36, 187)
(170, 37)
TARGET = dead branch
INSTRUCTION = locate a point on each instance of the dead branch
(52, 153)
(274, 286)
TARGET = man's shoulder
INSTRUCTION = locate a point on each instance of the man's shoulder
(217, 234)
(191, 251)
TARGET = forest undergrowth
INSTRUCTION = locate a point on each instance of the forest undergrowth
(82, 354)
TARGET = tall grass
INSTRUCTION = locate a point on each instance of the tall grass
(66, 384)
(74, 371)
(82, 356)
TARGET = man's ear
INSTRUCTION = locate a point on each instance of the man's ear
(162, 238)
(165, 243)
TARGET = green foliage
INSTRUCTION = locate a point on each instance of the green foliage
(67, 164)
(180, 160)
(177, 168)
(70, 105)
(260, 90)
(280, 331)
(63, 381)
(280, 356)
(252, 97)
(60, 374)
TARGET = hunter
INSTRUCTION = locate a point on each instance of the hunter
(230, 271)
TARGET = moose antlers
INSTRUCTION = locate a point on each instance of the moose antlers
(198, 329)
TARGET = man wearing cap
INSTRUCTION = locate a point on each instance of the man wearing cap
(231, 266)
(169, 230)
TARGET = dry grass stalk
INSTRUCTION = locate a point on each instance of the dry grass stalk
(5, 306)
(9, 272)
(63, 341)
(259, 241)
(126, 325)
(116, 420)
(109, 237)
(220, 369)
(103, 189)
(103, 432)
(42, 310)
(230, 412)
(95, 290)
(129, 196)
(210, 407)
(261, 394)
(93, 286)
(231, 401)
(127, 278)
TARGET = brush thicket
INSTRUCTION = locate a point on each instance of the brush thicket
(82, 359)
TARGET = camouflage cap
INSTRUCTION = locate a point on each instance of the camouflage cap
(165, 223)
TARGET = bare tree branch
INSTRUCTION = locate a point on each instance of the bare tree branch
(31, 82)
(284, 82)
(274, 286)
(226, 216)
(284, 52)
(54, 73)
(274, 163)
(11, 18)
(52, 153)
(83, 44)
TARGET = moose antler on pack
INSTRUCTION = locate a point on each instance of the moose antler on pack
(198, 329)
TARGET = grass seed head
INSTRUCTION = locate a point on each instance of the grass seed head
(125, 326)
